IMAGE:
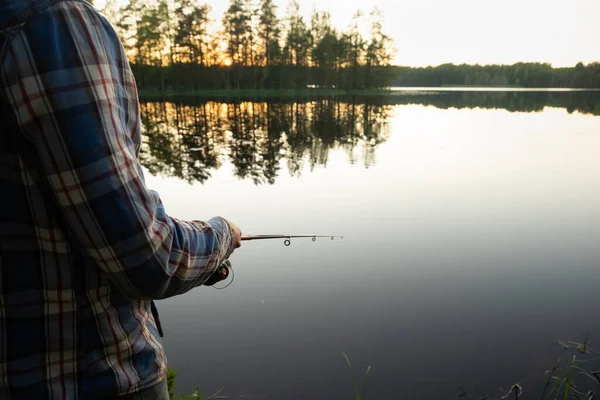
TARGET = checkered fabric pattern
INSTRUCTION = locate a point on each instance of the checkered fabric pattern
(84, 244)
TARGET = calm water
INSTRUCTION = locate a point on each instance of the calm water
(470, 223)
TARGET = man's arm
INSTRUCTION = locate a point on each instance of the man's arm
(67, 78)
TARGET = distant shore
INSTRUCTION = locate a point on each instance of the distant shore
(316, 92)
(262, 93)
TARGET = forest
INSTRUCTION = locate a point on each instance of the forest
(528, 75)
(179, 45)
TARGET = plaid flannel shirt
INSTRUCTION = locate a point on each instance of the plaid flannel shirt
(84, 245)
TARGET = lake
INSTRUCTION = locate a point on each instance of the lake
(470, 222)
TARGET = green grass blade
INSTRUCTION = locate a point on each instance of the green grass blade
(354, 383)
(347, 360)
(558, 380)
(364, 388)
(566, 393)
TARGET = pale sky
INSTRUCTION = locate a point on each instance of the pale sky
(432, 32)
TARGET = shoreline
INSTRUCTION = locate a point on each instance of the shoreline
(314, 93)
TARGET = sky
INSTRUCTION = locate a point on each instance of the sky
(433, 32)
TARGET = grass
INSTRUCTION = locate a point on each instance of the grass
(574, 379)
(171, 375)
(358, 394)
(568, 380)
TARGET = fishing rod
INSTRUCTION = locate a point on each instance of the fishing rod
(287, 238)
(223, 271)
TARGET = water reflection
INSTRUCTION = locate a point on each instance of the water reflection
(189, 141)
(585, 102)
(191, 138)
(471, 245)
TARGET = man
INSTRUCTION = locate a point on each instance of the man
(84, 245)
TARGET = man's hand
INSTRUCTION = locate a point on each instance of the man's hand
(237, 236)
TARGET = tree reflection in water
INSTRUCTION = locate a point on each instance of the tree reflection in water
(189, 141)
(190, 138)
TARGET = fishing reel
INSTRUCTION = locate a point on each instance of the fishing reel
(220, 274)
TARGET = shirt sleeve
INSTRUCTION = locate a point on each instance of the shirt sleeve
(66, 76)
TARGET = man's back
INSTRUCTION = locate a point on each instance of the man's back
(84, 245)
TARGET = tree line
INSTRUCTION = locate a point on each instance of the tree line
(176, 44)
(528, 75)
